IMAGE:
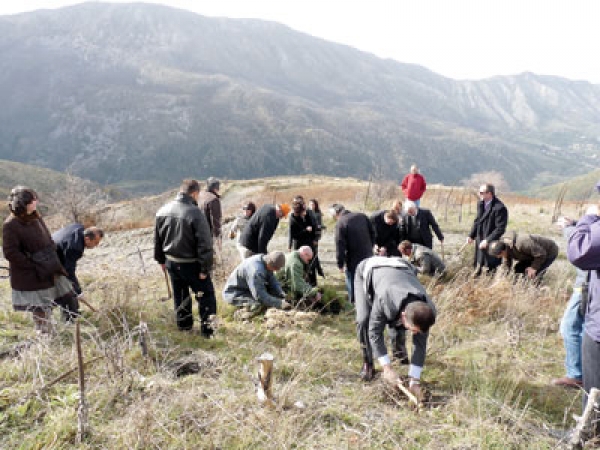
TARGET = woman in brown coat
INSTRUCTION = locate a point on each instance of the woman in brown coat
(36, 276)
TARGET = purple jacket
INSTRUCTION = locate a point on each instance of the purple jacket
(583, 250)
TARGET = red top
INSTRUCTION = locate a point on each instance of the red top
(413, 186)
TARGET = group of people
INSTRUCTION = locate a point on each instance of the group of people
(380, 256)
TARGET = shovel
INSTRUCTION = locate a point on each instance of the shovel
(164, 299)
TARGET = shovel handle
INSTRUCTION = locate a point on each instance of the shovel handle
(168, 284)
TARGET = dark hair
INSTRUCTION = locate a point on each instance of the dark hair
(298, 204)
(189, 186)
(405, 245)
(250, 206)
(19, 198)
(316, 202)
(490, 188)
(212, 184)
(420, 314)
(92, 232)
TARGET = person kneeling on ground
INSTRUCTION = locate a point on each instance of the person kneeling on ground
(534, 253)
(253, 284)
(424, 259)
(293, 277)
(388, 292)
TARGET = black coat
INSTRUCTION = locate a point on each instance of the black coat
(297, 233)
(490, 225)
(182, 231)
(354, 239)
(260, 229)
(387, 236)
(426, 222)
(70, 245)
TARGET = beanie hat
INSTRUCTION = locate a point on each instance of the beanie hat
(212, 183)
(275, 260)
(285, 209)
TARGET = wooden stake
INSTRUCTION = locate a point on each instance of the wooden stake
(583, 426)
(82, 422)
(265, 380)
(143, 330)
(86, 303)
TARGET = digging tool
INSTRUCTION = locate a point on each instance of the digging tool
(85, 302)
(408, 393)
(442, 248)
(164, 299)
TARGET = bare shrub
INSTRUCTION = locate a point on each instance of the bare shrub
(491, 177)
(78, 200)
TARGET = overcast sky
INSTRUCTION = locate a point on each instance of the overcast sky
(457, 38)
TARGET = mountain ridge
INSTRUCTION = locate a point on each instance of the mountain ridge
(109, 89)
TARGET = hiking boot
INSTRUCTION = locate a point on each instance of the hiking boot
(367, 372)
(567, 382)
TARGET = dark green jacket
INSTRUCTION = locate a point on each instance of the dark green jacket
(292, 277)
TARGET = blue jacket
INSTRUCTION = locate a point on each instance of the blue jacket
(70, 245)
(251, 282)
(583, 250)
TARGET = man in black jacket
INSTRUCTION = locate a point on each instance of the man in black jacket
(71, 241)
(260, 228)
(387, 232)
(354, 241)
(417, 225)
(183, 247)
(489, 225)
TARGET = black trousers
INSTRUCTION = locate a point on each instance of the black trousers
(186, 277)
(69, 306)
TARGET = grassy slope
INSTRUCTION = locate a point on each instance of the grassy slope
(491, 355)
(578, 188)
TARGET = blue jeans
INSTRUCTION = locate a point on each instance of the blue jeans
(571, 328)
(350, 284)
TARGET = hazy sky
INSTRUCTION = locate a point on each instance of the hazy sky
(456, 38)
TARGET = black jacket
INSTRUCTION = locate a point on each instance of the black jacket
(297, 234)
(354, 239)
(490, 225)
(70, 245)
(260, 229)
(182, 231)
(387, 236)
(426, 222)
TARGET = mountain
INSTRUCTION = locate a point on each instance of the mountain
(142, 95)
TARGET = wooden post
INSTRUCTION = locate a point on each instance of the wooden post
(82, 422)
(578, 437)
(143, 330)
(265, 380)
(139, 252)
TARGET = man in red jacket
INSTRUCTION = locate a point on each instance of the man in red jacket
(413, 185)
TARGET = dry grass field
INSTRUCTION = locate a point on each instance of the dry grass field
(492, 352)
